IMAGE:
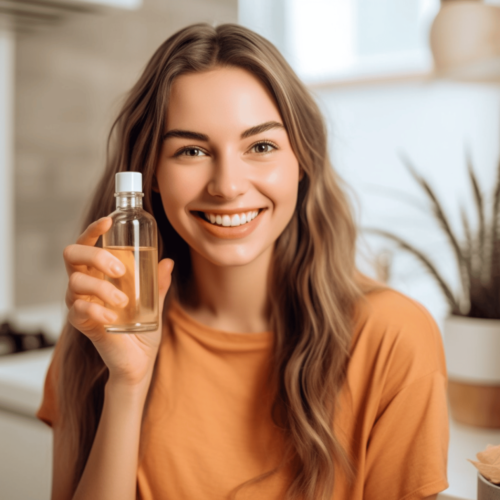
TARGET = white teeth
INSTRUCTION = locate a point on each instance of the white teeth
(232, 220)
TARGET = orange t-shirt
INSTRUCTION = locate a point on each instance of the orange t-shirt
(208, 428)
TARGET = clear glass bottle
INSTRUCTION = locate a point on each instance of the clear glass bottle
(133, 240)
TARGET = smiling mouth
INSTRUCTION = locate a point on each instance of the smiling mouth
(229, 220)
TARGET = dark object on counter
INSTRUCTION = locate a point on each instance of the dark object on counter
(12, 341)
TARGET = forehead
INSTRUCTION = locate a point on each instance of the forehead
(226, 99)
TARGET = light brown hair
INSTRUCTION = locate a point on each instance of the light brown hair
(313, 289)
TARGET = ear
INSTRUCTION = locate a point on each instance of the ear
(301, 173)
(154, 184)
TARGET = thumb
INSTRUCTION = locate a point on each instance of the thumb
(165, 267)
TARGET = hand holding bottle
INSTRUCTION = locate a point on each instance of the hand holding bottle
(130, 358)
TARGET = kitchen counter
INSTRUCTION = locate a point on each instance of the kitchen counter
(26, 443)
(22, 376)
(465, 442)
(21, 384)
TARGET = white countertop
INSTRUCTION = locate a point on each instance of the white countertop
(465, 442)
(22, 377)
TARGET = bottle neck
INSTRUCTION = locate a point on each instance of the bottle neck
(128, 200)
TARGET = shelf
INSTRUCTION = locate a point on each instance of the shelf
(372, 79)
(479, 74)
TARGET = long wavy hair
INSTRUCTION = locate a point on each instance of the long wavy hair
(313, 287)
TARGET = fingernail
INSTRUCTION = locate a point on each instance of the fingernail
(119, 298)
(117, 269)
(110, 316)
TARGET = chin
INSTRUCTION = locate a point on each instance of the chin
(232, 255)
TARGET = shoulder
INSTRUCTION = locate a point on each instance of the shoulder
(384, 308)
(388, 307)
(389, 312)
(398, 333)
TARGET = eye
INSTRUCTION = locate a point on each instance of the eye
(190, 151)
(263, 147)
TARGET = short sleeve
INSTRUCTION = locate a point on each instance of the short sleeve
(408, 446)
(48, 411)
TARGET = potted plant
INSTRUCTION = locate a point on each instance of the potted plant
(472, 329)
(488, 476)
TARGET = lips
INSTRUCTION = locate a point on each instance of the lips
(229, 224)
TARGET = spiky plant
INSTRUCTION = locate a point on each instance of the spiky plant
(477, 254)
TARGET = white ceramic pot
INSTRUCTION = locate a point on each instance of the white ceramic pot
(472, 349)
(487, 490)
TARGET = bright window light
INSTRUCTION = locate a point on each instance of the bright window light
(321, 36)
(327, 39)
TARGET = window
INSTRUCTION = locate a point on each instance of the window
(328, 39)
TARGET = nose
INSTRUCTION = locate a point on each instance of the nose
(229, 177)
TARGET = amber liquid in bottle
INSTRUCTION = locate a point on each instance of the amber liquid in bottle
(132, 238)
(139, 284)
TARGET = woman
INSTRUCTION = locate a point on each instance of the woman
(279, 371)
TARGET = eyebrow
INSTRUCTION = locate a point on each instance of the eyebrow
(258, 129)
(197, 136)
(185, 134)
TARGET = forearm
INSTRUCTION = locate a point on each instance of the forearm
(111, 470)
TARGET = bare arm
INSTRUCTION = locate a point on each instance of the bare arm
(111, 469)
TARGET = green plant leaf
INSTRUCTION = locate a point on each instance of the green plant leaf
(452, 301)
(442, 220)
(495, 241)
(468, 247)
(482, 246)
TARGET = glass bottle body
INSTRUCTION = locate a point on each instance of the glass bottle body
(132, 239)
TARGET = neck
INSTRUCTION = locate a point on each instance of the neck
(128, 200)
(233, 298)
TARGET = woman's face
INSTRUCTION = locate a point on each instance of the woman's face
(227, 175)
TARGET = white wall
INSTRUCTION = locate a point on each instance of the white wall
(70, 82)
(433, 124)
(6, 170)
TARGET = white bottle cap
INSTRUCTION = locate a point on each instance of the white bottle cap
(128, 182)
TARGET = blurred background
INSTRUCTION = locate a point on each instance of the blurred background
(398, 81)
(66, 66)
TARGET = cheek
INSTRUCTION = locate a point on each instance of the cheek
(177, 188)
(282, 186)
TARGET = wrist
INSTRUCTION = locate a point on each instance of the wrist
(125, 389)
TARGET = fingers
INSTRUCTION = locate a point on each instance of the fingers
(74, 253)
(90, 318)
(91, 234)
(78, 255)
(83, 285)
